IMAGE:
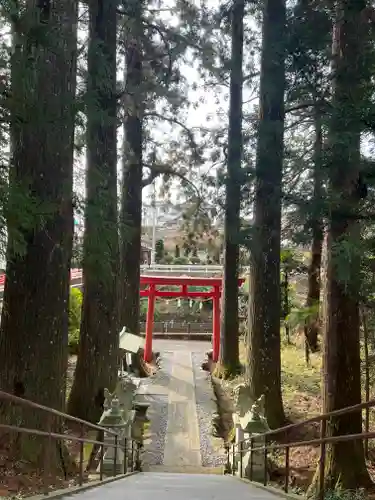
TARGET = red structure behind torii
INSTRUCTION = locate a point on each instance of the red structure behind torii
(183, 282)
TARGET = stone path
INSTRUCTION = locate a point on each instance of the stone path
(145, 486)
(181, 408)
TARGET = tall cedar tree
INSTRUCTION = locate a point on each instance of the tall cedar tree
(309, 58)
(131, 203)
(345, 462)
(311, 329)
(98, 347)
(264, 363)
(34, 322)
(229, 353)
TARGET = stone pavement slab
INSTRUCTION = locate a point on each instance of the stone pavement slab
(181, 345)
(164, 486)
(181, 407)
(182, 444)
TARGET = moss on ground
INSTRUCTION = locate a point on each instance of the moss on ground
(301, 384)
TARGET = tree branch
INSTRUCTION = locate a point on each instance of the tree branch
(304, 105)
(171, 119)
(159, 169)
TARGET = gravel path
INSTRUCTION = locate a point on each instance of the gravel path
(212, 450)
(153, 452)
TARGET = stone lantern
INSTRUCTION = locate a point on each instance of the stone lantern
(112, 419)
(253, 425)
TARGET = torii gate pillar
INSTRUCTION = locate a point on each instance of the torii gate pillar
(216, 324)
(149, 324)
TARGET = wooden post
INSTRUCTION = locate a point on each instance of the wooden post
(149, 323)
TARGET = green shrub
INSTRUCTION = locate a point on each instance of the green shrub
(181, 261)
(167, 259)
(143, 306)
(159, 251)
(340, 494)
(75, 305)
(195, 260)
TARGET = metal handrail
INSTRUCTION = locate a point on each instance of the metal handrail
(127, 445)
(319, 418)
(322, 441)
(5, 396)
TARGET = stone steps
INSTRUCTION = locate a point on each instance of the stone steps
(187, 469)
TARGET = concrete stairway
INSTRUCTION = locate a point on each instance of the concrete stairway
(167, 486)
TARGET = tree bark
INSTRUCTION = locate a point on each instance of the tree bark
(345, 461)
(367, 382)
(131, 207)
(229, 349)
(313, 292)
(34, 322)
(97, 362)
(286, 303)
(264, 363)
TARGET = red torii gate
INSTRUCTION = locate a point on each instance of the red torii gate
(184, 282)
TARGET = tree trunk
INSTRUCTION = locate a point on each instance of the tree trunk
(367, 382)
(313, 292)
(345, 461)
(229, 349)
(98, 348)
(264, 363)
(34, 322)
(131, 207)
(286, 303)
(342, 380)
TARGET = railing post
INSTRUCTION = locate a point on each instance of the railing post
(265, 462)
(47, 455)
(233, 460)
(241, 458)
(367, 426)
(286, 485)
(115, 457)
(132, 455)
(322, 461)
(227, 467)
(81, 445)
(138, 458)
(125, 455)
(251, 458)
(101, 457)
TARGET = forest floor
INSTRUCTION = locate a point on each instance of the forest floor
(301, 386)
(20, 478)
